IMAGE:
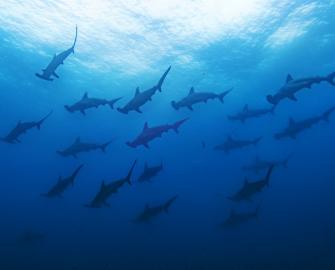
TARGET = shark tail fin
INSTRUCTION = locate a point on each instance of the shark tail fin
(39, 123)
(75, 173)
(325, 115)
(286, 160)
(268, 175)
(130, 173)
(169, 203)
(177, 125)
(113, 101)
(75, 40)
(330, 78)
(160, 82)
(257, 140)
(222, 95)
(174, 105)
(105, 145)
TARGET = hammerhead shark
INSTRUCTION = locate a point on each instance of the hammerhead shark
(292, 86)
(78, 147)
(259, 164)
(248, 113)
(249, 189)
(236, 219)
(21, 128)
(151, 212)
(107, 190)
(87, 103)
(56, 61)
(150, 172)
(62, 184)
(197, 97)
(233, 144)
(296, 127)
(141, 98)
(150, 133)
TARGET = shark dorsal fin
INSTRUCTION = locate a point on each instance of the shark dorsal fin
(232, 212)
(146, 126)
(246, 181)
(246, 107)
(85, 96)
(59, 179)
(191, 91)
(289, 78)
(291, 121)
(137, 91)
(146, 166)
(147, 207)
(78, 140)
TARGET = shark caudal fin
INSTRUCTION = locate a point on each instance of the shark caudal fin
(169, 203)
(331, 78)
(75, 40)
(130, 173)
(222, 95)
(105, 145)
(177, 125)
(39, 123)
(286, 160)
(112, 102)
(174, 105)
(75, 173)
(160, 82)
(268, 175)
(326, 114)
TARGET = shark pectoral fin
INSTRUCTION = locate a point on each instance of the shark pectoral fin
(138, 110)
(75, 156)
(83, 112)
(292, 97)
(146, 146)
(190, 108)
(55, 74)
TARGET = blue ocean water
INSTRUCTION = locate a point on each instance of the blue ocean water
(250, 46)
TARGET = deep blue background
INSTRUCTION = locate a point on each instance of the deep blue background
(296, 226)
